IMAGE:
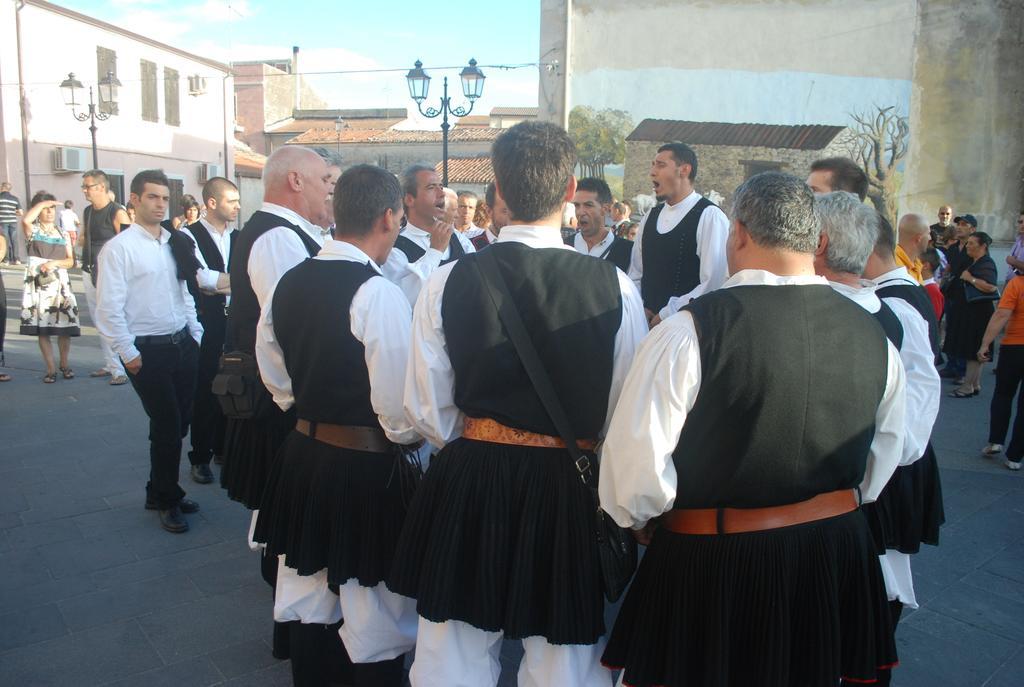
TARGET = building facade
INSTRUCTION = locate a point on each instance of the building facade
(954, 70)
(174, 110)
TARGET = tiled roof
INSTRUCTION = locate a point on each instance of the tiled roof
(468, 170)
(297, 126)
(322, 136)
(247, 160)
(515, 111)
(800, 137)
(474, 120)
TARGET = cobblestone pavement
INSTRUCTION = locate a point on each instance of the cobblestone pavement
(92, 592)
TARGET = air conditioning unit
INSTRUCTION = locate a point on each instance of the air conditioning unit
(70, 159)
(208, 171)
(196, 85)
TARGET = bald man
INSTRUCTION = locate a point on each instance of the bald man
(280, 235)
(942, 231)
(912, 240)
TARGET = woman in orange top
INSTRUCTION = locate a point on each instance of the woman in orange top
(1009, 373)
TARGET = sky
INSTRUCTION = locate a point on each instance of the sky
(343, 35)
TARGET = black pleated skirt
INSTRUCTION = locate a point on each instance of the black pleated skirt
(502, 537)
(250, 450)
(333, 508)
(798, 606)
(909, 511)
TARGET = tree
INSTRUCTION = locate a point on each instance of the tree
(600, 137)
(878, 143)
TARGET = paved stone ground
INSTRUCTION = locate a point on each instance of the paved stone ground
(92, 592)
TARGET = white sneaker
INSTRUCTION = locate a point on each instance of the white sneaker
(1011, 465)
(992, 449)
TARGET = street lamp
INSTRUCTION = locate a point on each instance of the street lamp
(107, 86)
(472, 88)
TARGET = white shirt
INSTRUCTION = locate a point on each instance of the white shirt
(472, 232)
(712, 235)
(638, 477)
(380, 319)
(924, 388)
(207, 277)
(68, 220)
(138, 292)
(411, 276)
(278, 250)
(430, 380)
(600, 248)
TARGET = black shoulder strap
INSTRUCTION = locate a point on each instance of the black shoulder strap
(497, 289)
(312, 247)
(407, 246)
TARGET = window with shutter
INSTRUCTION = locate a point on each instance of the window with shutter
(106, 61)
(171, 91)
(150, 109)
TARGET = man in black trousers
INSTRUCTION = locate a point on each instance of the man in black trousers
(146, 314)
(214, 236)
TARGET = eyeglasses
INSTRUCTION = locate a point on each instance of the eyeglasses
(86, 187)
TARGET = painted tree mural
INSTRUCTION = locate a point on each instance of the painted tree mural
(879, 142)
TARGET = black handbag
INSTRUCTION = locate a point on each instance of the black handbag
(617, 549)
(238, 387)
(975, 295)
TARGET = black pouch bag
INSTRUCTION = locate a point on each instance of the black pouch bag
(617, 549)
(239, 389)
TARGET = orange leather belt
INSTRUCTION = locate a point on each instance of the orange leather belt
(486, 429)
(736, 520)
(369, 439)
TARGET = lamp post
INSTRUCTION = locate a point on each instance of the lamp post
(472, 88)
(107, 85)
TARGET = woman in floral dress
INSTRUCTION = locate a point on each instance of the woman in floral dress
(48, 307)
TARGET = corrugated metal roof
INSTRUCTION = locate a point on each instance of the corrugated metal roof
(468, 170)
(799, 137)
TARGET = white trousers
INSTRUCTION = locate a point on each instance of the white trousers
(899, 582)
(456, 654)
(379, 624)
(111, 362)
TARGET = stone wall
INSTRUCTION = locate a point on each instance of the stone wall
(967, 128)
(719, 168)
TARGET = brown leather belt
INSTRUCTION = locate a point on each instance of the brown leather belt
(736, 520)
(486, 429)
(369, 439)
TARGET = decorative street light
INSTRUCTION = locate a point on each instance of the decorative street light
(472, 88)
(107, 86)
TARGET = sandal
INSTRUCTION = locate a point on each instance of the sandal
(49, 378)
(67, 373)
(963, 394)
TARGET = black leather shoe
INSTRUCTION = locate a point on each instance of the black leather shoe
(185, 505)
(201, 474)
(173, 521)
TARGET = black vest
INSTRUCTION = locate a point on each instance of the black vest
(99, 227)
(413, 251)
(571, 306)
(791, 379)
(890, 325)
(326, 363)
(210, 307)
(244, 313)
(917, 297)
(618, 254)
(671, 265)
(480, 241)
